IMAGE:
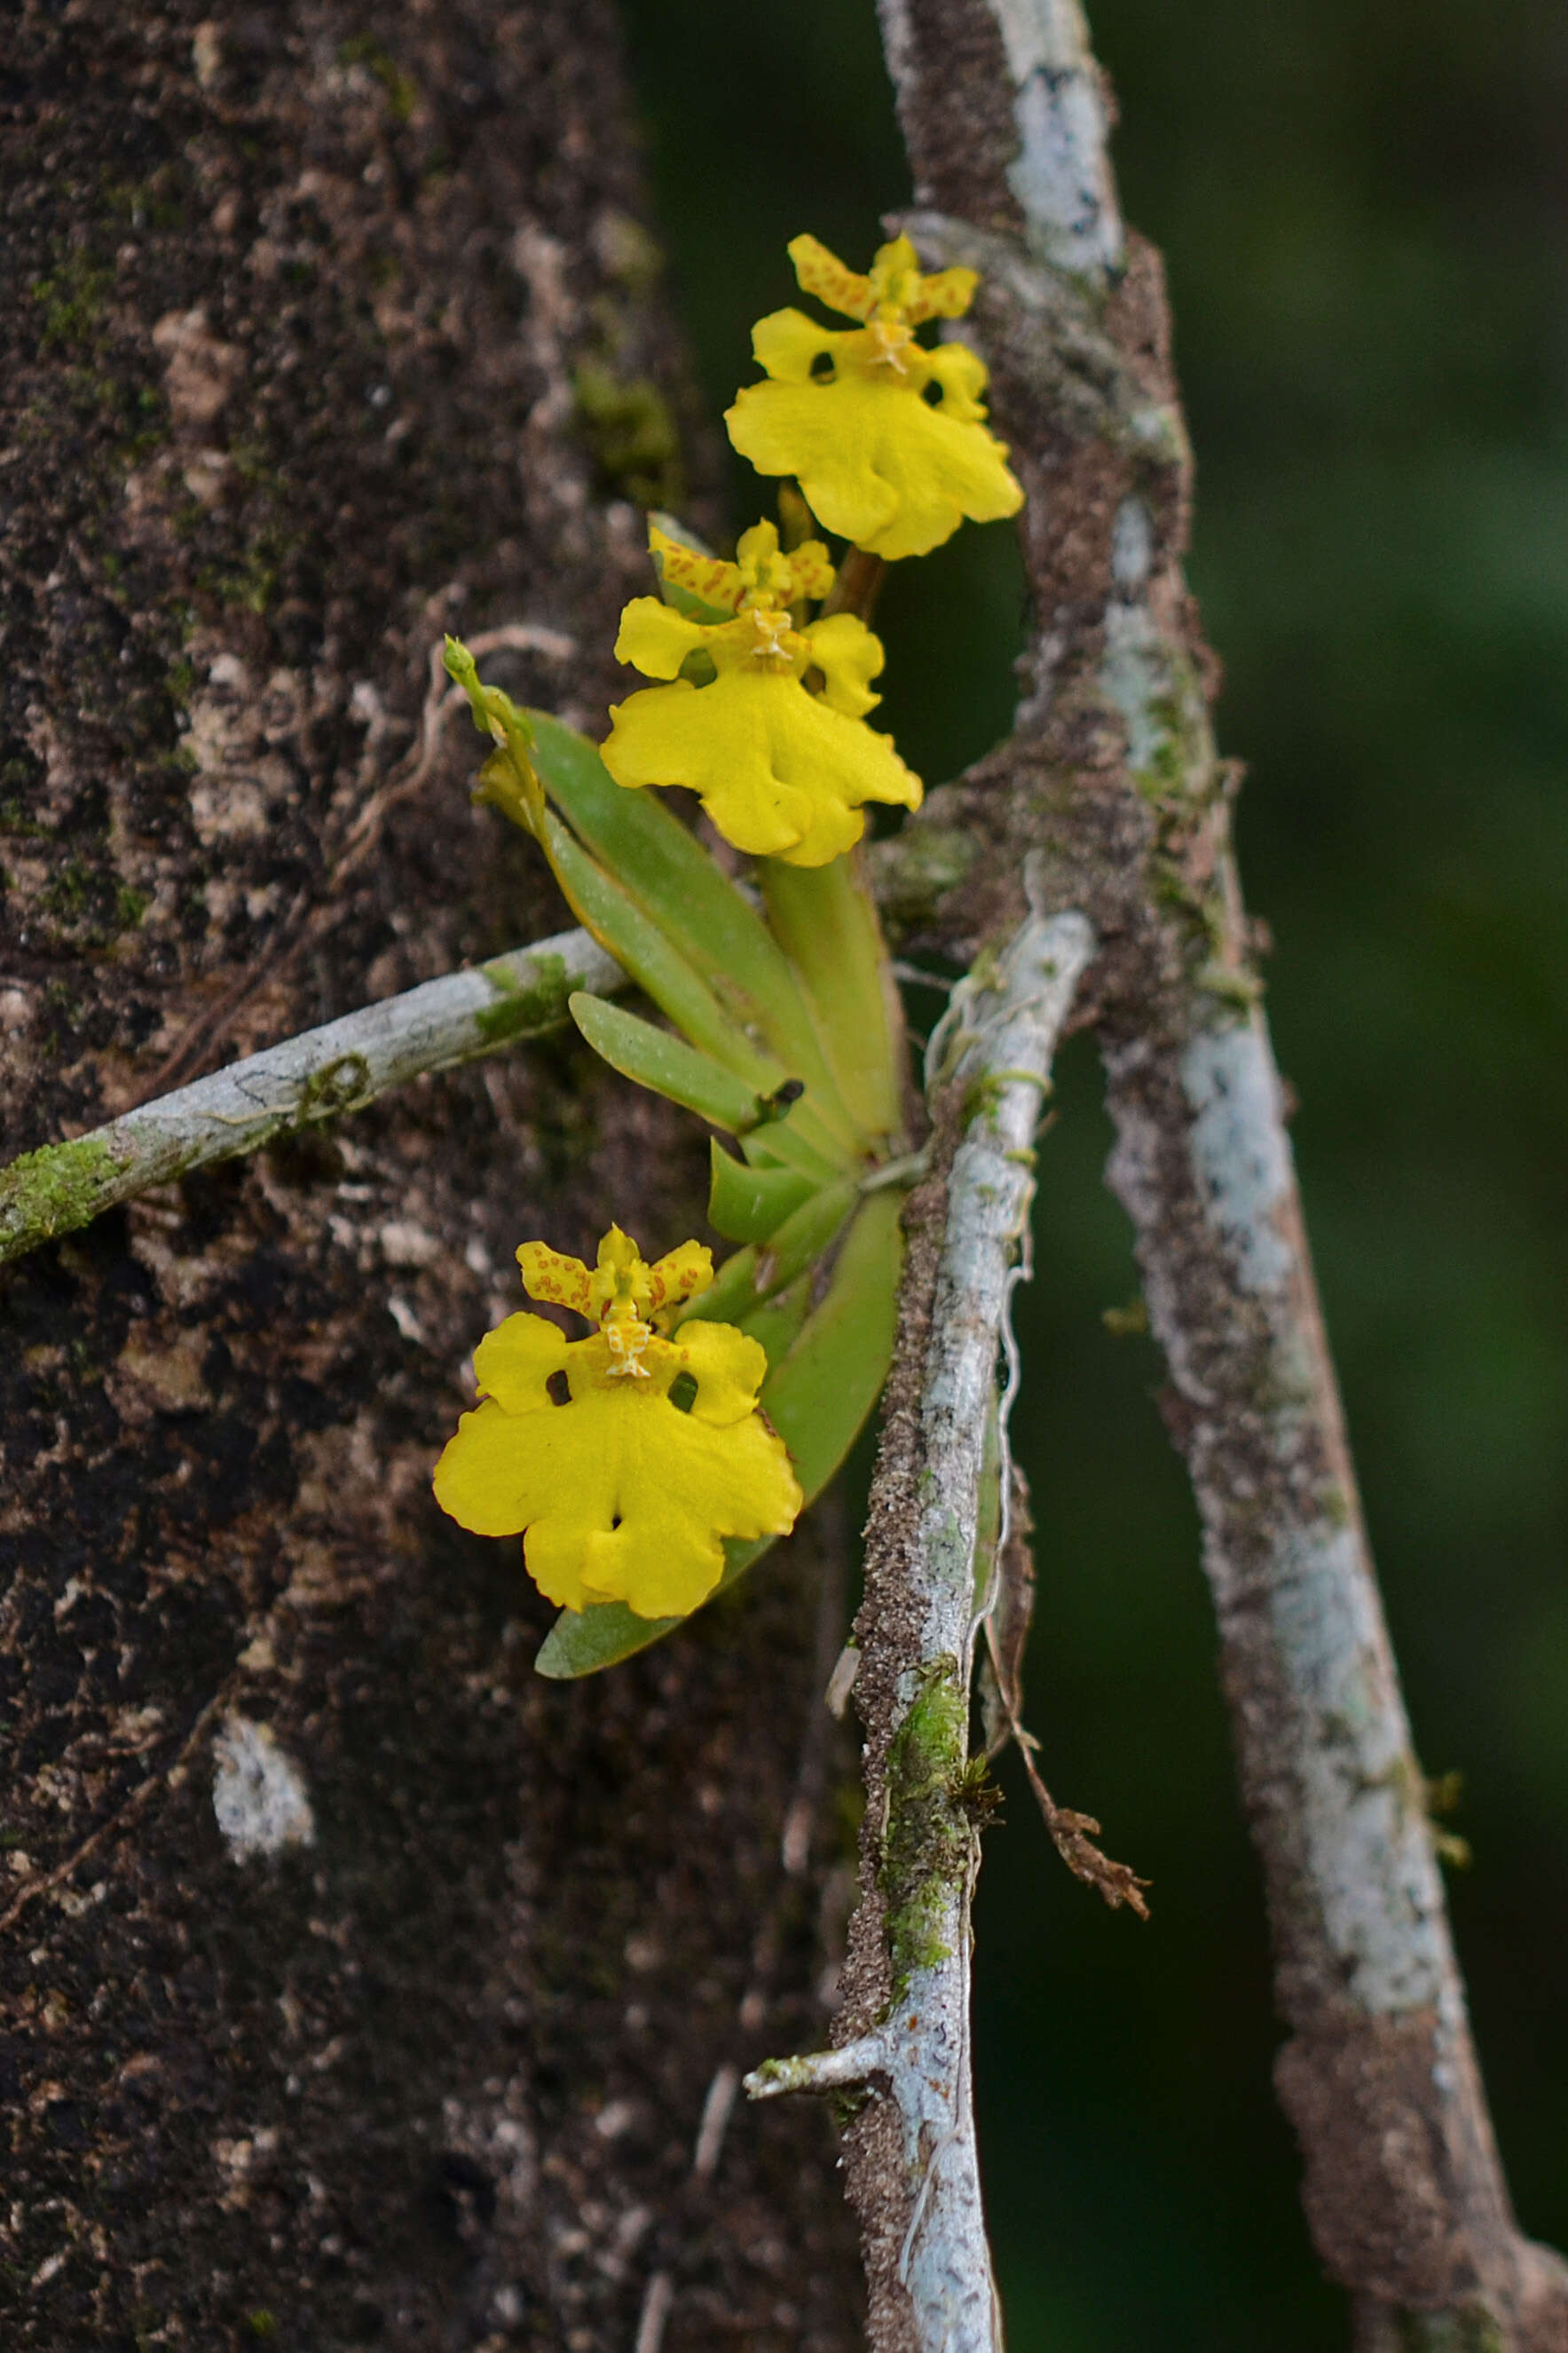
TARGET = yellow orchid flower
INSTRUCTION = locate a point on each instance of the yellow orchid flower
(887, 441)
(782, 772)
(618, 1493)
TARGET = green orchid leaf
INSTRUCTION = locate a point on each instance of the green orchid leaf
(748, 1204)
(777, 1323)
(621, 926)
(753, 1276)
(672, 1068)
(827, 921)
(581, 1642)
(733, 1294)
(793, 1248)
(804, 1237)
(755, 1148)
(635, 834)
(711, 925)
(817, 1399)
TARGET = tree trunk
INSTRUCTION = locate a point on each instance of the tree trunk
(360, 1986)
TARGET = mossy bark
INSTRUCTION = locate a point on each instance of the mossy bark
(297, 297)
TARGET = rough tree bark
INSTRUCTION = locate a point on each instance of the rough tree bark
(358, 1987)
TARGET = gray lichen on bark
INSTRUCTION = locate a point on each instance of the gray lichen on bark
(1112, 773)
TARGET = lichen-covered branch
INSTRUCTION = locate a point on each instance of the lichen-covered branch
(1113, 767)
(910, 2155)
(314, 1077)
(323, 1074)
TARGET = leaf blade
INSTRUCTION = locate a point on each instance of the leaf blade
(819, 1396)
(806, 1236)
(618, 921)
(747, 1204)
(826, 923)
(715, 928)
(666, 1065)
(669, 1067)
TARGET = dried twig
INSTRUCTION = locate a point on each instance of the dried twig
(1008, 1622)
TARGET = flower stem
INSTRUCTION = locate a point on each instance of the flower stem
(857, 587)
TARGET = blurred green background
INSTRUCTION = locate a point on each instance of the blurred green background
(1364, 211)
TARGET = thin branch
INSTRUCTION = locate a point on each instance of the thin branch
(853, 2066)
(1113, 764)
(318, 1076)
(300, 1083)
(911, 2151)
